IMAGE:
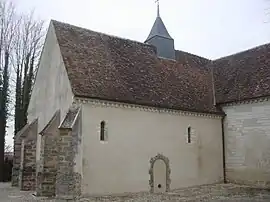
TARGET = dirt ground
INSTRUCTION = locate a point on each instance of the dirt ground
(218, 192)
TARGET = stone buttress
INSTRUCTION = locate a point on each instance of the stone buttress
(47, 164)
(69, 173)
(17, 155)
(24, 171)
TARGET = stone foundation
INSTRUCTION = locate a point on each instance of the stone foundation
(46, 183)
(28, 179)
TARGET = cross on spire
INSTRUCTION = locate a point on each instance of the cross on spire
(160, 38)
(158, 28)
(157, 1)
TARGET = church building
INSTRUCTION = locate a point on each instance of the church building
(110, 115)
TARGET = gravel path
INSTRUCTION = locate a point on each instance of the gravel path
(219, 192)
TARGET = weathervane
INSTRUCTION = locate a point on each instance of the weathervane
(157, 1)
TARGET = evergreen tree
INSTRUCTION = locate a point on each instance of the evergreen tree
(4, 112)
(7, 27)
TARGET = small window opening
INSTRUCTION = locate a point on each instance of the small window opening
(102, 131)
(189, 135)
(159, 186)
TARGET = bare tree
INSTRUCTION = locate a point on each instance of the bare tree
(28, 45)
(21, 41)
(8, 148)
(7, 30)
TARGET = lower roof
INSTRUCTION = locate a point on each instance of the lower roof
(243, 76)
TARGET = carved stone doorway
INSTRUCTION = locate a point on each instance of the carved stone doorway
(159, 174)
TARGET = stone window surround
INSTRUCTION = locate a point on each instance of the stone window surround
(151, 171)
(105, 141)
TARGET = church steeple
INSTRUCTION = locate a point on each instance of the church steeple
(160, 38)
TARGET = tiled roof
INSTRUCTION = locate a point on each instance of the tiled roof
(243, 76)
(110, 68)
(191, 59)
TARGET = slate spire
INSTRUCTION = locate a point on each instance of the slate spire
(160, 38)
(159, 28)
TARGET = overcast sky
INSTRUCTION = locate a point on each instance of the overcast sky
(209, 28)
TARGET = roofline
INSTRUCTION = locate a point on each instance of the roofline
(61, 122)
(76, 117)
(144, 43)
(25, 128)
(149, 105)
(111, 35)
(241, 52)
(243, 100)
(38, 65)
(209, 60)
(55, 115)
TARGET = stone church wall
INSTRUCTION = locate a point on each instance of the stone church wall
(247, 141)
(52, 90)
(135, 135)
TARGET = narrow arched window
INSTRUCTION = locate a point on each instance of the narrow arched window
(102, 131)
(189, 134)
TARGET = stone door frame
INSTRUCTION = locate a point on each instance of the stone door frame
(151, 171)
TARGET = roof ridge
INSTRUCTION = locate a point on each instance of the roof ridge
(102, 33)
(243, 51)
(194, 54)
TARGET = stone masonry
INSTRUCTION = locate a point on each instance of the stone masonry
(46, 172)
(247, 143)
(27, 174)
(68, 181)
(17, 155)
